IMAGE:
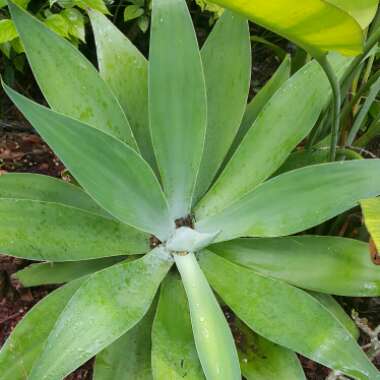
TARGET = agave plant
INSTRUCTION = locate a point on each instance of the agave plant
(178, 199)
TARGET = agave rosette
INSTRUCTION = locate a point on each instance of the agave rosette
(176, 171)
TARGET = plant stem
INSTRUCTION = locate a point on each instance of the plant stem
(335, 85)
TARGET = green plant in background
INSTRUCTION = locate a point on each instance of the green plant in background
(318, 26)
(64, 17)
(138, 10)
(157, 192)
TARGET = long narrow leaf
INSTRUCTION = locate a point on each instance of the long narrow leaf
(48, 189)
(285, 121)
(130, 356)
(27, 340)
(261, 359)
(334, 308)
(213, 338)
(105, 307)
(69, 82)
(226, 57)
(110, 171)
(259, 101)
(339, 266)
(59, 273)
(125, 69)
(174, 355)
(53, 232)
(297, 200)
(302, 325)
(177, 101)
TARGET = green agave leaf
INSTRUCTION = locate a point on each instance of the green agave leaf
(371, 211)
(362, 11)
(302, 158)
(340, 266)
(59, 273)
(92, 320)
(261, 359)
(125, 69)
(334, 308)
(287, 316)
(110, 171)
(70, 83)
(275, 133)
(177, 101)
(212, 335)
(27, 340)
(130, 356)
(47, 189)
(297, 200)
(174, 355)
(255, 106)
(53, 232)
(226, 57)
(315, 25)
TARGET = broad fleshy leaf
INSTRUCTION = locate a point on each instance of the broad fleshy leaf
(325, 264)
(261, 359)
(255, 106)
(47, 189)
(334, 308)
(226, 57)
(69, 82)
(177, 102)
(125, 70)
(59, 273)
(284, 122)
(54, 232)
(92, 320)
(304, 157)
(109, 170)
(297, 200)
(129, 357)
(362, 11)
(371, 211)
(212, 335)
(27, 340)
(174, 355)
(303, 325)
(315, 25)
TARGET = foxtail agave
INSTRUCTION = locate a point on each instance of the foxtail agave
(177, 197)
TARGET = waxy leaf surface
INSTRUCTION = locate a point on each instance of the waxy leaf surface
(92, 320)
(27, 340)
(69, 82)
(213, 339)
(303, 325)
(47, 189)
(125, 70)
(53, 232)
(339, 266)
(259, 101)
(129, 357)
(261, 359)
(177, 101)
(109, 170)
(59, 273)
(297, 200)
(284, 122)
(226, 57)
(174, 355)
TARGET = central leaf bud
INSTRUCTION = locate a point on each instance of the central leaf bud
(186, 239)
